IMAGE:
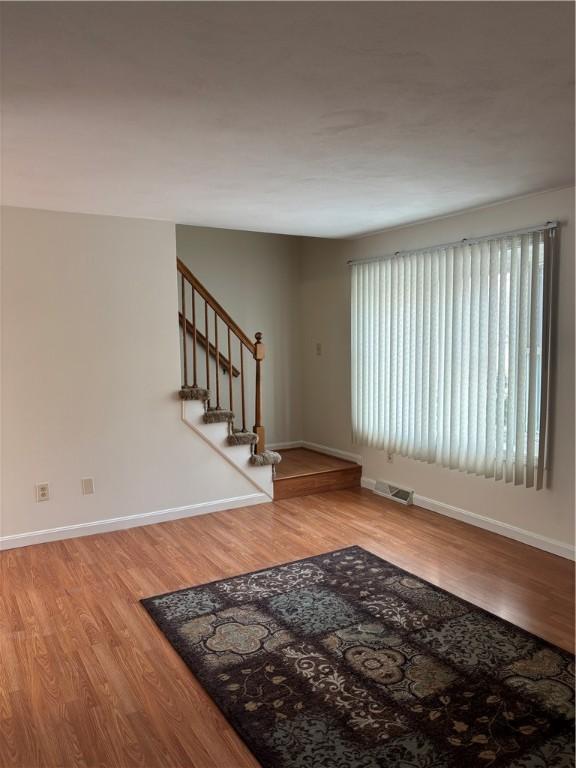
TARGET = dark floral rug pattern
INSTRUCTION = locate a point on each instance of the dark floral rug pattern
(345, 661)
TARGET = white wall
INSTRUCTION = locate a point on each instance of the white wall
(90, 368)
(326, 379)
(255, 277)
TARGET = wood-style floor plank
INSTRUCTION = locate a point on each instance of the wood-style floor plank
(303, 461)
(86, 678)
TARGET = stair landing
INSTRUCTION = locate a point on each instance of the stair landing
(303, 471)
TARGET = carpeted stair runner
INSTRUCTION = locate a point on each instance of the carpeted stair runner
(194, 393)
(235, 437)
(238, 437)
(265, 459)
(218, 416)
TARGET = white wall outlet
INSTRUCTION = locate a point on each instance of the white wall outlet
(87, 486)
(42, 492)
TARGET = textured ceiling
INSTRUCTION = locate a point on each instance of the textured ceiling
(326, 119)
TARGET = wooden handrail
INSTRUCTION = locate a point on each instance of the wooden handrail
(201, 339)
(211, 301)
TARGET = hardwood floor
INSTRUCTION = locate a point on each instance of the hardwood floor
(86, 679)
(303, 471)
(303, 461)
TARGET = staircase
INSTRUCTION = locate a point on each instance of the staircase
(221, 378)
(221, 395)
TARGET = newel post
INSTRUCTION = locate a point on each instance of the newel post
(258, 428)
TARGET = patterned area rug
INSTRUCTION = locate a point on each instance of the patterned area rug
(345, 661)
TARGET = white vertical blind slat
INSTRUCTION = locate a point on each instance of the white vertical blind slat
(535, 317)
(522, 358)
(449, 357)
(501, 380)
(465, 356)
(483, 385)
(512, 356)
(456, 361)
(492, 430)
(548, 266)
(445, 396)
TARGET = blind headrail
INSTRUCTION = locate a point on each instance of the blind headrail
(463, 241)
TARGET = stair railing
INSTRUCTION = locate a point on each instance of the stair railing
(216, 326)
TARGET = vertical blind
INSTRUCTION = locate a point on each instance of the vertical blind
(450, 354)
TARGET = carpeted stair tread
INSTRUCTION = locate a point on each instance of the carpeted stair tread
(194, 393)
(237, 437)
(265, 459)
(218, 416)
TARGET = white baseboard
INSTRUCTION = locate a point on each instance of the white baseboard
(284, 446)
(129, 521)
(333, 452)
(554, 546)
(317, 447)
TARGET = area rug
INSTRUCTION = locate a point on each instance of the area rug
(346, 661)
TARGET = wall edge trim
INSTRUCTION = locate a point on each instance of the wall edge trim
(553, 546)
(356, 457)
(285, 446)
(128, 521)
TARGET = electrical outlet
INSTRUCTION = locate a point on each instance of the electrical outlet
(390, 458)
(42, 492)
(87, 486)
(318, 349)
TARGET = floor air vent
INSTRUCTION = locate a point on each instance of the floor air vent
(401, 495)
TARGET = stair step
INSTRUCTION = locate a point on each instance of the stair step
(304, 471)
(319, 482)
(218, 416)
(237, 437)
(194, 393)
(265, 459)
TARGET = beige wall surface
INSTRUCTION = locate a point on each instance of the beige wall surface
(325, 297)
(255, 277)
(90, 368)
(91, 363)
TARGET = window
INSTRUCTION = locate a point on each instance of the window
(450, 354)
